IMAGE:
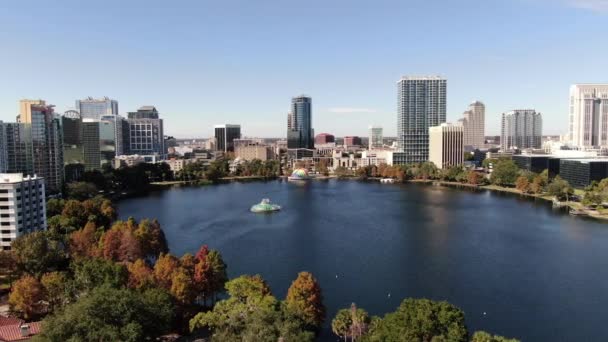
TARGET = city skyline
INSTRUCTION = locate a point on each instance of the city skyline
(347, 70)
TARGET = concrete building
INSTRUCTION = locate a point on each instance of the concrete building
(473, 123)
(225, 136)
(421, 103)
(254, 151)
(94, 109)
(3, 148)
(446, 147)
(588, 126)
(521, 129)
(128, 160)
(300, 133)
(582, 172)
(352, 141)
(375, 137)
(177, 165)
(22, 206)
(146, 133)
(325, 139)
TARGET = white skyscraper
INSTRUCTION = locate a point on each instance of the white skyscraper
(588, 126)
(446, 145)
(3, 149)
(473, 123)
(91, 108)
(521, 129)
(421, 103)
(375, 137)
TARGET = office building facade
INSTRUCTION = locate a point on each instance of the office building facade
(146, 133)
(253, 151)
(324, 139)
(588, 119)
(446, 145)
(521, 129)
(300, 133)
(582, 172)
(225, 136)
(473, 123)
(375, 137)
(22, 206)
(351, 141)
(94, 109)
(421, 104)
(3, 149)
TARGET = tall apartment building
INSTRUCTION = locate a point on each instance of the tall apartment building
(94, 109)
(36, 143)
(22, 206)
(225, 136)
(146, 132)
(521, 129)
(3, 148)
(300, 133)
(375, 137)
(446, 148)
(473, 123)
(588, 126)
(421, 103)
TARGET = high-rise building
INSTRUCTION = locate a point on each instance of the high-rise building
(375, 137)
(225, 136)
(38, 148)
(73, 153)
(91, 144)
(473, 123)
(94, 109)
(446, 147)
(22, 206)
(421, 103)
(588, 125)
(521, 129)
(3, 148)
(146, 133)
(300, 133)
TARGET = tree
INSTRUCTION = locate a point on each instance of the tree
(26, 297)
(75, 213)
(37, 253)
(522, 184)
(81, 190)
(482, 336)
(164, 268)
(182, 287)
(54, 206)
(152, 238)
(504, 172)
(219, 277)
(140, 275)
(305, 300)
(55, 288)
(427, 170)
(92, 273)
(560, 188)
(108, 314)
(537, 185)
(83, 243)
(420, 320)
(474, 178)
(322, 168)
(341, 172)
(350, 323)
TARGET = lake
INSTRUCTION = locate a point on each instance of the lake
(516, 267)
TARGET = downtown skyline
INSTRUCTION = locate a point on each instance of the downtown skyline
(201, 73)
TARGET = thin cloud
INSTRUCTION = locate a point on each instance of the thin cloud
(592, 5)
(347, 110)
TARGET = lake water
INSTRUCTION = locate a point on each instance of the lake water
(537, 275)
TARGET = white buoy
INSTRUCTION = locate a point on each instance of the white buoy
(389, 295)
(484, 313)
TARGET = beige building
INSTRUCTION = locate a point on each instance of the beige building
(254, 151)
(473, 123)
(446, 146)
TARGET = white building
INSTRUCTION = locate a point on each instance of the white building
(446, 147)
(22, 206)
(521, 129)
(375, 137)
(3, 149)
(588, 126)
(473, 123)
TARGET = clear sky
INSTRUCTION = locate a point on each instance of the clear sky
(207, 62)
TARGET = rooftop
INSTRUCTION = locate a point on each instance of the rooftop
(422, 78)
(7, 178)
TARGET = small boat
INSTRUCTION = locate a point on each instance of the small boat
(265, 207)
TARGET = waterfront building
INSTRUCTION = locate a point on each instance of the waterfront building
(176, 165)
(352, 141)
(588, 126)
(446, 147)
(128, 160)
(225, 135)
(325, 139)
(375, 137)
(3, 148)
(94, 109)
(22, 206)
(37, 144)
(473, 123)
(421, 103)
(253, 151)
(300, 133)
(582, 172)
(521, 129)
(146, 136)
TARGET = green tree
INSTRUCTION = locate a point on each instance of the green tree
(92, 273)
(56, 289)
(54, 206)
(420, 320)
(305, 300)
(560, 188)
(81, 190)
(504, 172)
(350, 323)
(37, 253)
(482, 336)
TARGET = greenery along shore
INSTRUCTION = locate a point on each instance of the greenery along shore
(91, 277)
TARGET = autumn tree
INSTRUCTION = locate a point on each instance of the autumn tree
(164, 268)
(83, 243)
(474, 178)
(26, 297)
(538, 184)
(140, 275)
(182, 287)
(305, 300)
(55, 288)
(522, 184)
(152, 238)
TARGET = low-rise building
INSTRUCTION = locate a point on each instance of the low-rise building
(582, 172)
(22, 206)
(253, 151)
(130, 160)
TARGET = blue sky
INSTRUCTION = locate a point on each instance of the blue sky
(207, 62)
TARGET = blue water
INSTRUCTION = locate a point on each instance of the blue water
(537, 274)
